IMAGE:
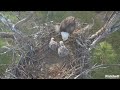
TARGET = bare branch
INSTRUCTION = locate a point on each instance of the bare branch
(9, 24)
(6, 21)
(19, 23)
(112, 25)
(96, 67)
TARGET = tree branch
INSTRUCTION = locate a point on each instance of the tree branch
(96, 67)
(6, 35)
(9, 24)
(112, 25)
(19, 23)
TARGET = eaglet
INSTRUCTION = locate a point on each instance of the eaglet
(53, 45)
(62, 50)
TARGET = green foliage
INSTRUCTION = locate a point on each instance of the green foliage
(104, 53)
(114, 40)
(101, 72)
(10, 15)
(5, 60)
(2, 42)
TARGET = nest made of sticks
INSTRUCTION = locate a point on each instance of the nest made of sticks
(42, 63)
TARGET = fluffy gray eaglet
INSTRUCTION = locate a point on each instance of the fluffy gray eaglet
(53, 45)
(62, 50)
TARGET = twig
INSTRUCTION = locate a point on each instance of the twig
(96, 67)
(19, 23)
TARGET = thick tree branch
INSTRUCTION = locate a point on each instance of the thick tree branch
(9, 24)
(19, 37)
(14, 27)
(112, 25)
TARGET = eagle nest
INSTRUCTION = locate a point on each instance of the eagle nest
(37, 61)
